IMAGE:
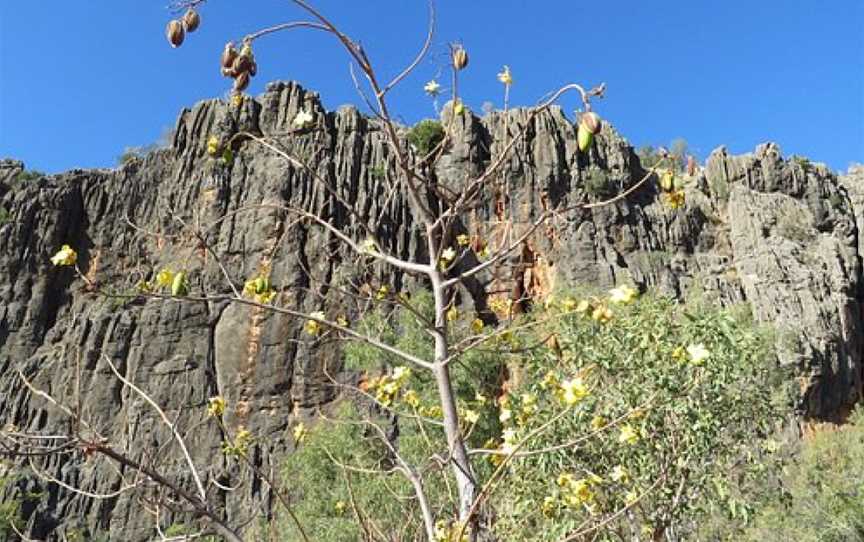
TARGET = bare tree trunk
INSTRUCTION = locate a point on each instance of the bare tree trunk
(465, 481)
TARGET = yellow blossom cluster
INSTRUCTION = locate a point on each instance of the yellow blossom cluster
(65, 256)
(674, 199)
(240, 445)
(259, 289)
(216, 406)
(572, 391)
(448, 531)
(313, 327)
(387, 387)
(579, 492)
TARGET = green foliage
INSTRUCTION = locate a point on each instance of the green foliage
(10, 510)
(597, 184)
(4, 216)
(425, 135)
(29, 175)
(678, 427)
(821, 498)
(674, 437)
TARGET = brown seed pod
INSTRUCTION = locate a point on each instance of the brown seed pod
(175, 33)
(241, 82)
(459, 57)
(191, 20)
(227, 72)
(228, 55)
(592, 122)
(241, 65)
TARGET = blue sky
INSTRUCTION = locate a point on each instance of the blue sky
(80, 81)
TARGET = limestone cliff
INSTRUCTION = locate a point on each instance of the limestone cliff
(781, 235)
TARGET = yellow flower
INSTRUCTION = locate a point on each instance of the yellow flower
(549, 506)
(448, 254)
(678, 353)
(452, 314)
(411, 398)
(401, 374)
(213, 146)
(240, 445)
(602, 314)
(432, 88)
(697, 353)
(579, 492)
(505, 415)
(628, 435)
(459, 108)
(550, 380)
(480, 398)
(368, 246)
(529, 403)
(339, 507)
(505, 76)
(471, 416)
(65, 256)
(631, 496)
(313, 327)
(674, 199)
(216, 406)
(572, 391)
(382, 292)
(483, 253)
(462, 240)
(597, 423)
(477, 325)
(342, 321)
(623, 294)
(620, 474)
(568, 304)
(583, 306)
(164, 278)
(303, 119)
(237, 99)
(300, 432)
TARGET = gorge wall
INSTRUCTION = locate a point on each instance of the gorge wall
(779, 234)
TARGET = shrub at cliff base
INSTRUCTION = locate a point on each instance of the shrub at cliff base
(623, 417)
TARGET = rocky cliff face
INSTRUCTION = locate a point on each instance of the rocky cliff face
(781, 235)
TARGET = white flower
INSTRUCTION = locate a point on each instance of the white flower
(303, 119)
(622, 294)
(448, 254)
(505, 76)
(432, 88)
(698, 353)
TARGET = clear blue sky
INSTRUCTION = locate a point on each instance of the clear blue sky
(82, 80)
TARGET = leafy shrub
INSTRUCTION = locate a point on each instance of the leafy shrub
(29, 175)
(425, 135)
(674, 403)
(822, 494)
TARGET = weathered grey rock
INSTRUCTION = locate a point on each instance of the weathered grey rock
(778, 234)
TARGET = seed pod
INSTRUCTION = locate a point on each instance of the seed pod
(175, 33)
(179, 286)
(191, 20)
(584, 137)
(667, 181)
(241, 82)
(460, 57)
(591, 121)
(246, 50)
(241, 65)
(228, 55)
(227, 72)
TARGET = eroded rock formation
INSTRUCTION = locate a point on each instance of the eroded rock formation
(780, 235)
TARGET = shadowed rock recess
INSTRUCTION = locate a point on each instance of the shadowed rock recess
(781, 235)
